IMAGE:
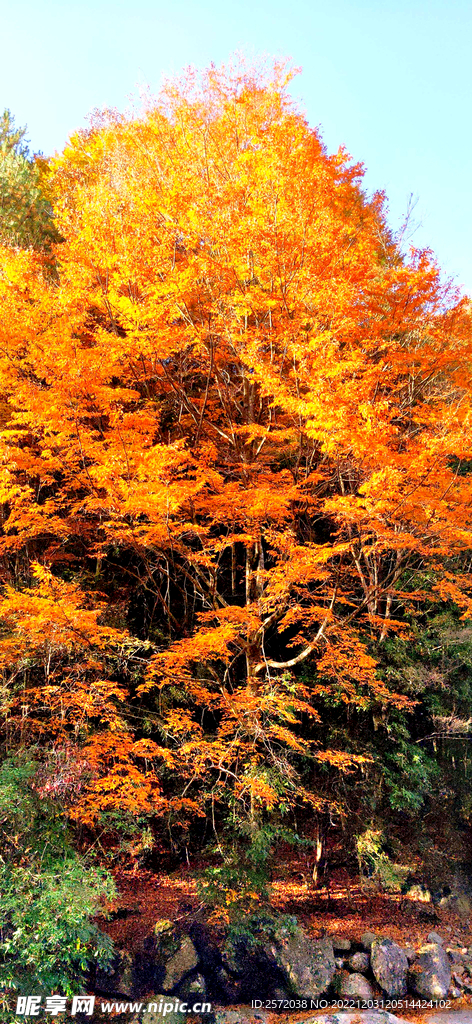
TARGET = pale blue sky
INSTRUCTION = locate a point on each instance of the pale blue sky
(390, 79)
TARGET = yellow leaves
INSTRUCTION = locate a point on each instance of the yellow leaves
(51, 617)
(342, 760)
(259, 790)
(287, 738)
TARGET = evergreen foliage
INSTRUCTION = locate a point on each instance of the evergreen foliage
(49, 894)
(25, 209)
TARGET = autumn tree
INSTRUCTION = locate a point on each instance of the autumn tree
(236, 426)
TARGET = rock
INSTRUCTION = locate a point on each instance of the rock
(339, 961)
(209, 954)
(251, 961)
(454, 954)
(359, 962)
(389, 966)
(118, 978)
(340, 945)
(164, 931)
(367, 939)
(446, 1017)
(355, 986)
(192, 989)
(243, 1015)
(122, 913)
(430, 972)
(434, 937)
(236, 954)
(165, 959)
(455, 993)
(126, 986)
(463, 906)
(410, 953)
(228, 988)
(231, 1017)
(428, 914)
(307, 965)
(147, 971)
(280, 993)
(181, 963)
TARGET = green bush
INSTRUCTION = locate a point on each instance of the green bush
(49, 894)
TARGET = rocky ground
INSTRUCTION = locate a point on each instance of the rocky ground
(353, 948)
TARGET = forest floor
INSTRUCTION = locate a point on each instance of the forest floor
(347, 910)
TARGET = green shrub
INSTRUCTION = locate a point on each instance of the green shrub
(49, 894)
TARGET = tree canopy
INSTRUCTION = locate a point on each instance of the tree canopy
(234, 461)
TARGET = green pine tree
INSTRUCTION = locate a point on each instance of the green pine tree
(25, 211)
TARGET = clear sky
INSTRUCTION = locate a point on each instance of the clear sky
(389, 79)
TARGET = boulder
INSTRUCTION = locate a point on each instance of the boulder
(164, 960)
(193, 988)
(117, 978)
(434, 937)
(389, 966)
(420, 911)
(354, 986)
(147, 971)
(180, 964)
(307, 965)
(340, 945)
(359, 962)
(227, 988)
(236, 954)
(233, 1016)
(430, 972)
(367, 939)
(280, 994)
(249, 960)
(165, 935)
(209, 953)
(463, 907)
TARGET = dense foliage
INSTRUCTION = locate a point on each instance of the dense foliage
(49, 894)
(25, 208)
(236, 495)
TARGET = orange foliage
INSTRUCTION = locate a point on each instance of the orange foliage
(240, 390)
